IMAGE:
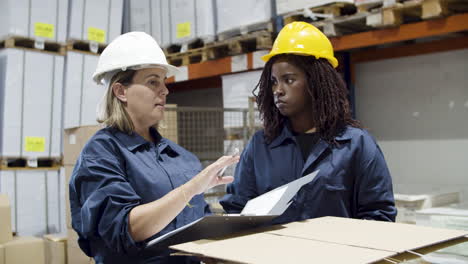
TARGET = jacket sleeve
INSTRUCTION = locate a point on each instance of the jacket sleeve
(244, 186)
(374, 187)
(101, 198)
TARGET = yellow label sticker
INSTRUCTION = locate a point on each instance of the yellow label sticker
(96, 34)
(44, 30)
(183, 30)
(35, 144)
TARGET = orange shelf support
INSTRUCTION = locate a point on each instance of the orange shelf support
(417, 30)
(428, 28)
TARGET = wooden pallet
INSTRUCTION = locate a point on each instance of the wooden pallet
(258, 40)
(19, 163)
(237, 45)
(85, 46)
(319, 13)
(267, 26)
(188, 45)
(397, 12)
(32, 44)
(189, 57)
(343, 25)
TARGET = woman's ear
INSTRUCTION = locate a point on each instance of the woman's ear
(120, 91)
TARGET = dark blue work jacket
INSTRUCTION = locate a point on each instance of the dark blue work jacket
(353, 181)
(116, 172)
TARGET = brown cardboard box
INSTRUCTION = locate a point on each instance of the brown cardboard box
(24, 250)
(74, 253)
(76, 138)
(74, 141)
(2, 254)
(5, 219)
(55, 248)
(68, 172)
(325, 240)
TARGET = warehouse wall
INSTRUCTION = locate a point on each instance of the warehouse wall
(417, 108)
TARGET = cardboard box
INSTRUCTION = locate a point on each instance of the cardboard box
(286, 6)
(36, 200)
(74, 141)
(74, 253)
(324, 240)
(38, 19)
(55, 248)
(98, 21)
(82, 94)
(32, 103)
(233, 15)
(25, 250)
(5, 219)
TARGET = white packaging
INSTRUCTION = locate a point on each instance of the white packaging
(237, 88)
(191, 19)
(82, 95)
(408, 200)
(31, 102)
(37, 200)
(98, 21)
(241, 13)
(39, 19)
(286, 6)
(149, 16)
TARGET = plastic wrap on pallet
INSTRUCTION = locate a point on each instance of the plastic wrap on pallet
(238, 14)
(39, 19)
(37, 200)
(150, 16)
(97, 21)
(286, 6)
(31, 104)
(191, 20)
(82, 95)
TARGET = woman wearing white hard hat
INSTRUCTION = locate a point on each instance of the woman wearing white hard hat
(130, 184)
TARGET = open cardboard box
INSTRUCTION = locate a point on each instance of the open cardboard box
(326, 240)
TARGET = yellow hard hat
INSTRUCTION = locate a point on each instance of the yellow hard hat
(302, 38)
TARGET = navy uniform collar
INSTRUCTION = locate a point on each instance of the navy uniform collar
(134, 140)
(286, 133)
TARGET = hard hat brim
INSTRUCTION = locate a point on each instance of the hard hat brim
(266, 58)
(170, 71)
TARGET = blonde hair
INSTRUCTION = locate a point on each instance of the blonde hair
(114, 114)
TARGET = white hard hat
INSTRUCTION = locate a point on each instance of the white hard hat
(132, 50)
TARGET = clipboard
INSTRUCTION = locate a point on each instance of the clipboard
(256, 213)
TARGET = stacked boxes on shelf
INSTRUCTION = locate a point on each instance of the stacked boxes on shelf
(150, 16)
(82, 94)
(95, 21)
(17, 249)
(286, 6)
(242, 14)
(36, 198)
(172, 22)
(31, 103)
(44, 20)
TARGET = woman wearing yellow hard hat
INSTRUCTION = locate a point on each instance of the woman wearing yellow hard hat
(130, 184)
(308, 126)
